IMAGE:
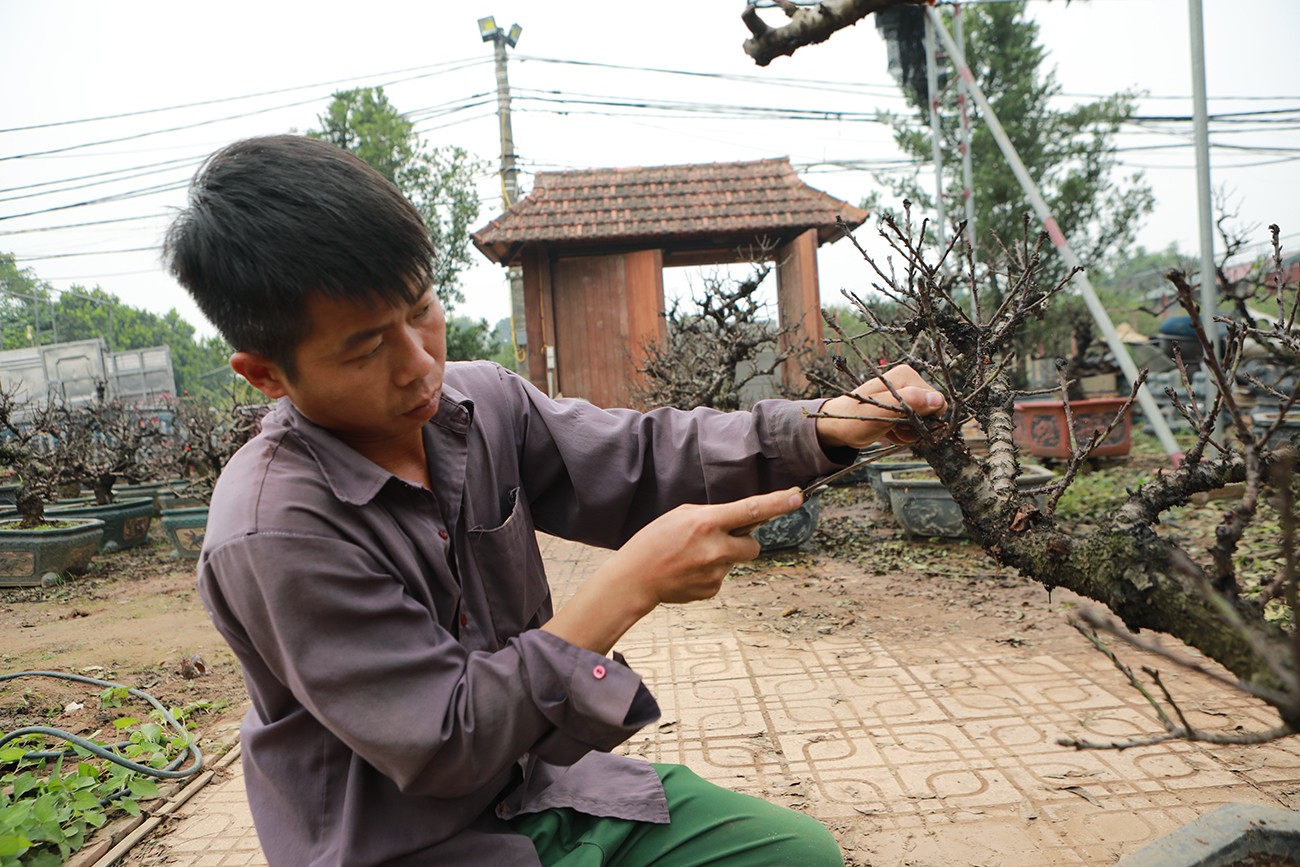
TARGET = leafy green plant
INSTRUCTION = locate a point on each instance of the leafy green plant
(46, 815)
(114, 696)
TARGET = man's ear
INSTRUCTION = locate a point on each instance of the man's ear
(263, 374)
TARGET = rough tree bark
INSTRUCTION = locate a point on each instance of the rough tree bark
(808, 25)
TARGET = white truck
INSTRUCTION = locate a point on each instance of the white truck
(70, 373)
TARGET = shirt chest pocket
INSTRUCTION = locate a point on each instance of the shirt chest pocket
(507, 561)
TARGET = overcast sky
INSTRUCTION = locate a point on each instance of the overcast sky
(70, 60)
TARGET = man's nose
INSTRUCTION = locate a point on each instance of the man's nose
(414, 361)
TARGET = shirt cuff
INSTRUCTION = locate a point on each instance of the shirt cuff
(786, 422)
(593, 702)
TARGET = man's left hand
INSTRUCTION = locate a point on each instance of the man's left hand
(865, 421)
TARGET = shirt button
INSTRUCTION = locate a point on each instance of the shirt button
(442, 534)
(464, 619)
(598, 672)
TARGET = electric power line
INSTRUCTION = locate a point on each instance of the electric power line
(445, 66)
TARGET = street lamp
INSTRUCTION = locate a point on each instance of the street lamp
(490, 32)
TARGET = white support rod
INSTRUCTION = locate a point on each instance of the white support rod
(1201, 132)
(936, 145)
(1099, 314)
(967, 174)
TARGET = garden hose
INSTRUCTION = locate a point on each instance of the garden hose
(169, 772)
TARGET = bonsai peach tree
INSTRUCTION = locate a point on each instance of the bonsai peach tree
(205, 438)
(959, 330)
(108, 441)
(35, 449)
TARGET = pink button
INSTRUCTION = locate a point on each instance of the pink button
(598, 672)
(442, 534)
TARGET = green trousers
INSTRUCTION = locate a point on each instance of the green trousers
(707, 825)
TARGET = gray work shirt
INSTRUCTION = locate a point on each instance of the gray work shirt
(404, 702)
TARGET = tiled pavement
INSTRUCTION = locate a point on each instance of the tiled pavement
(913, 753)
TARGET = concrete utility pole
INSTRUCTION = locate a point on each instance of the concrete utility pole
(490, 32)
(1201, 124)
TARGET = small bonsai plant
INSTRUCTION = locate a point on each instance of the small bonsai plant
(205, 438)
(34, 449)
(108, 441)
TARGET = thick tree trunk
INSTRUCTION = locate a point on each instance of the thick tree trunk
(808, 25)
(1141, 578)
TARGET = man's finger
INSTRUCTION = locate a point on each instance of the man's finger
(752, 512)
(923, 401)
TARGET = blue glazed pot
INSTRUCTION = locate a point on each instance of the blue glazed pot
(126, 522)
(186, 529)
(27, 555)
(924, 507)
(791, 529)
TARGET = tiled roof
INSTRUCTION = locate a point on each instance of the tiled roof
(708, 200)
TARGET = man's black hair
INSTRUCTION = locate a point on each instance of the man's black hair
(272, 221)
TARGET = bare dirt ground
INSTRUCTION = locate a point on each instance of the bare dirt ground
(133, 619)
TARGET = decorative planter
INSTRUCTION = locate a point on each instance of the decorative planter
(1261, 421)
(8, 495)
(1232, 834)
(876, 472)
(858, 476)
(167, 501)
(924, 507)
(791, 529)
(126, 522)
(161, 492)
(1041, 429)
(186, 529)
(27, 555)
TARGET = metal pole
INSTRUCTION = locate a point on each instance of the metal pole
(936, 146)
(510, 195)
(1201, 125)
(968, 183)
(1099, 314)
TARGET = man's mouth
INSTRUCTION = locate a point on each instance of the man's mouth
(426, 407)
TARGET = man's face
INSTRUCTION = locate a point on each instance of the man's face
(371, 374)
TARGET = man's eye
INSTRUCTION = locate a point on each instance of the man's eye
(423, 311)
(372, 353)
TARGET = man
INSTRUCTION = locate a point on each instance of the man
(371, 557)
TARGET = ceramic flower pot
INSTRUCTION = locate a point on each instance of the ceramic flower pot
(186, 529)
(924, 507)
(1231, 834)
(1041, 428)
(126, 522)
(791, 529)
(28, 555)
(1262, 420)
(161, 492)
(876, 473)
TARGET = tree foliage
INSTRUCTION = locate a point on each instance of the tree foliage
(28, 302)
(439, 181)
(1069, 152)
(470, 340)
